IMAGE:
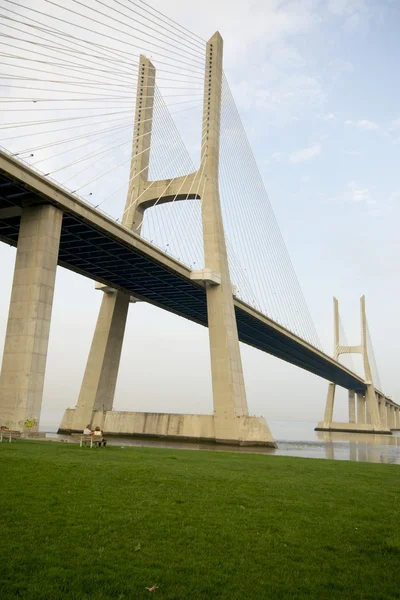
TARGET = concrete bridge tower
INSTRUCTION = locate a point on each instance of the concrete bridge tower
(230, 422)
(369, 415)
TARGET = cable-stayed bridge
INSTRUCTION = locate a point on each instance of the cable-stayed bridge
(90, 122)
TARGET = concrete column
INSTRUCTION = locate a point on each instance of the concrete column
(372, 406)
(397, 418)
(382, 412)
(352, 407)
(100, 379)
(391, 416)
(226, 366)
(360, 408)
(28, 327)
(330, 401)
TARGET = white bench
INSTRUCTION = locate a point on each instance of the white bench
(91, 440)
(9, 434)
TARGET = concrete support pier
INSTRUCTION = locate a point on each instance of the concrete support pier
(382, 411)
(352, 407)
(361, 417)
(101, 374)
(396, 419)
(226, 366)
(100, 378)
(28, 327)
(251, 431)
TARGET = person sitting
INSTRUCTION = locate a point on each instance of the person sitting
(88, 430)
(98, 436)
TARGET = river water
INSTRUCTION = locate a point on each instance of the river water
(294, 438)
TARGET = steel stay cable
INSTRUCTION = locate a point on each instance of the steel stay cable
(83, 80)
(87, 125)
(200, 179)
(184, 207)
(103, 35)
(230, 176)
(123, 32)
(79, 137)
(110, 133)
(92, 155)
(297, 326)
(240, 271)
(16, 99)
(85, 135)
(142, 121)
(122, 76)
(82, 125)
(181, 33)
(84, 86)
(183, 37)
(87, 157)
(67, 51)
(168, 18)
(310, 326)
(117, 53)
(132, 81)
(255, 260)
(163, 118)
(130, 26)
(111, 170)
(72, 66)
(89, 166)
(85, 66)
(260, 295)
(238, 277)
(38, 89)
(47, 121)
(227, 181)
(118, 166)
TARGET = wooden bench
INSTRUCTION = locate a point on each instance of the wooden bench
(84, 440)
(9, 434)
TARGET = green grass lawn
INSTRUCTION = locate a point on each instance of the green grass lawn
(107, 523)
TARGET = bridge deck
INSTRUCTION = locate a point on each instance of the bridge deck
(97, 247)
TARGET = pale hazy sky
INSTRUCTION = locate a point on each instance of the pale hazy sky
(317, 88)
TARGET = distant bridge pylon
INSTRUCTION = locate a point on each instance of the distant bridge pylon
(373, 412)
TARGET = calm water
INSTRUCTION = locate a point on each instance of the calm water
(294, 439)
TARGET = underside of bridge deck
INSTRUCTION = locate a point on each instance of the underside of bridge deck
(93, 252)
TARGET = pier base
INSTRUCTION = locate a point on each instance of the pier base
(252, 431)
(352, 427)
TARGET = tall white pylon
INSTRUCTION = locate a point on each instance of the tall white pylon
(231, 421)
(369, 400)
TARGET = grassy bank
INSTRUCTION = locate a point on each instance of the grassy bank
(107, 523)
